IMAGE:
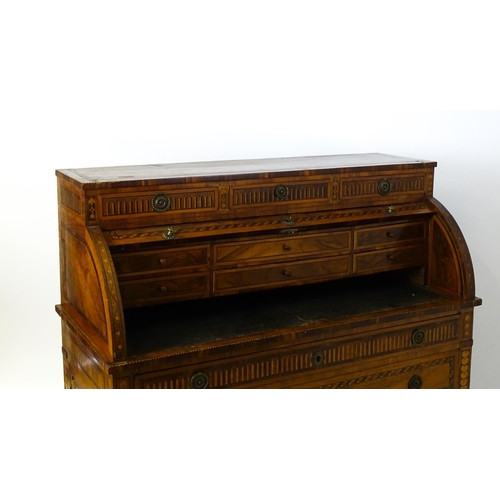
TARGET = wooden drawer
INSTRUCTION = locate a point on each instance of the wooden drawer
(389, 235)
(388, 259)
(253, 251)
(161, 260)
(384, 188)
(167, 204)
(289, 192)
(307, 271)
(164, 289)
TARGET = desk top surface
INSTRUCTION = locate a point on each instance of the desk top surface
(99, 177)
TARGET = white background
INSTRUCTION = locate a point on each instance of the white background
(100, 83)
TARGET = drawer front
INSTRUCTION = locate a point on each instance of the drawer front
(388, 259)
(289, 192)
(280, 275)
(168, 203)
(164, 289)
(282, 248)
(388, 187)
(388, 235)
(151, 261)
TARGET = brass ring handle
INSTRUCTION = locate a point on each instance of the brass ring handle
(415, 382)
(161, 202)
(384, 187)
(318, 358)
(281, 192)
(199, 381)
(418, 336)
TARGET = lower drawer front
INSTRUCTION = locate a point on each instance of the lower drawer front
(283, 274)
(424, 374)
(160, 289)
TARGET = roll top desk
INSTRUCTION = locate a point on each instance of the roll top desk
(317, 272)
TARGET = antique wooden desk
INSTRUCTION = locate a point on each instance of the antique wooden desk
(315, 272)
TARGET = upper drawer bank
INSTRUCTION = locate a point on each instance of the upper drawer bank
(118, 198)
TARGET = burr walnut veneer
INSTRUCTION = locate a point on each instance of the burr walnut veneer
(315, 272)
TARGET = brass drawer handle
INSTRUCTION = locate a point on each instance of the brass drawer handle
(286, 273)
(161, 202)
(415, 382)
(391, 257)
(199, 381)
(384, 187)
(163, 262)
(318, 358)
(286, 247)
(281, 192)
(418, 337)
(391, 235)
(163, 289)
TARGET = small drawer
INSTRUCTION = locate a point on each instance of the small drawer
(388, 235)
(271, 276)
(388, 259)
(165, 289)
(161, 260)
(250, 251)
(386, 187)
(285, 191)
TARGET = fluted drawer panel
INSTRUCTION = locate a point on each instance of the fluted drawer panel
(142, 203)
(361, 186)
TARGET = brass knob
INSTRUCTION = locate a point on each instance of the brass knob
(318, 358)
(281, 192)
(391, 235)
(161, 202)
(199, 381)
(384, 187)
(391, 257)
(286, 247)
(418, 337)
(286, 273)
(415, 382)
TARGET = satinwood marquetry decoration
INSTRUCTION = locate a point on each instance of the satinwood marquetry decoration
(315, 272)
